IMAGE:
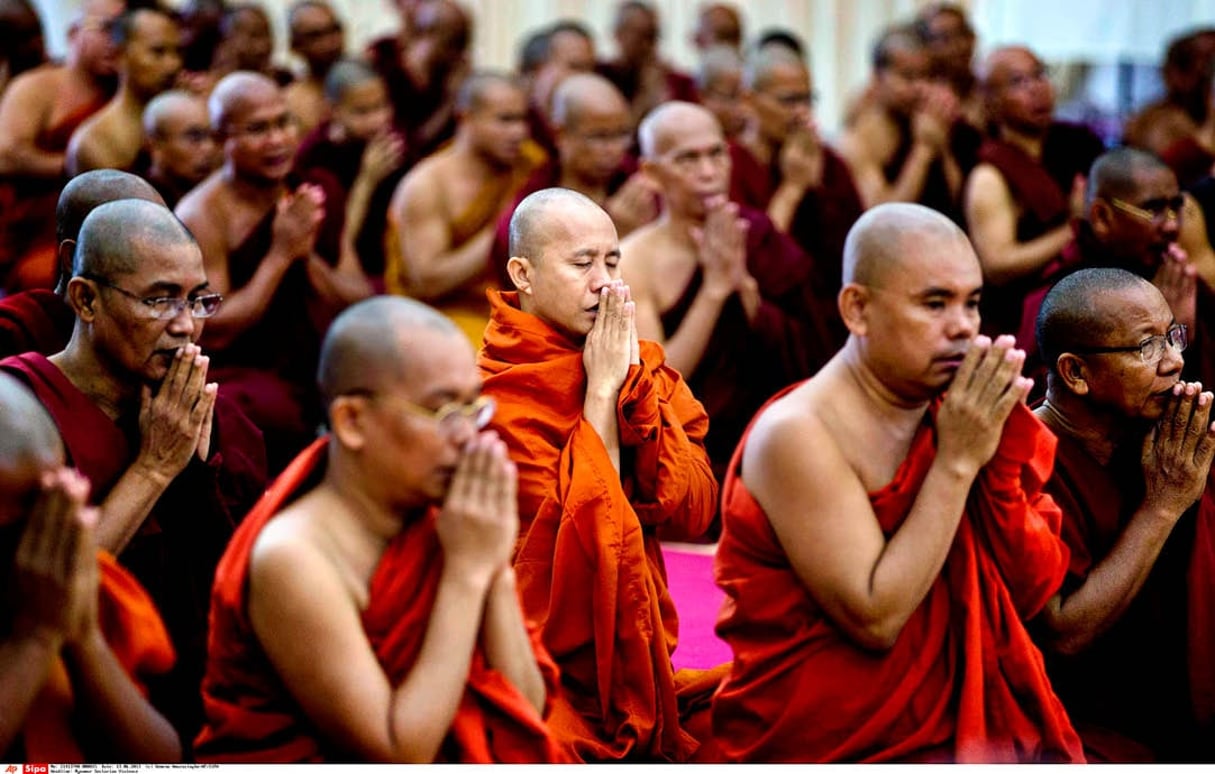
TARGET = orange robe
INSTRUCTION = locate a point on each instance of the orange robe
(589, 563)
(251, 715)
(134, 633)
(963, 681)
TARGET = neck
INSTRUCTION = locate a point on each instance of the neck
(376, 518)
(1099, 433)
(129, 100)
(477, 162)
(762, 148)
(91, 375)
(678, 225)
(596, 190)
(1028, 142)
(897, 410)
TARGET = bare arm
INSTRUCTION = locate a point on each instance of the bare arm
(508, 648)
(822, 516)
(88, 149)
(432, 267)
(991, 219)
(860, 147)
(23, 111)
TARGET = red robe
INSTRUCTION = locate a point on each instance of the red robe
(589, 563)
(1167, 632)
(175, 550)
(136, 636)
(35, 320)
(962, 682)
(251, 715)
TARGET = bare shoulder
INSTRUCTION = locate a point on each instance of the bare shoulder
(422, 186)
(636, 254)
(288, 556)
(870, 137)
(198, 208)
(789, 427)
(986, 184)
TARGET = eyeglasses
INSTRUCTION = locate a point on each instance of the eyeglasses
(689, 161)
(1150, 349)
(448, 416)
(167, 307)
(1153, 210)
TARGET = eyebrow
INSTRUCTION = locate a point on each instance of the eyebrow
(172, 287)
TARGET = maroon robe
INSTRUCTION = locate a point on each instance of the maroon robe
(174, 553)
(412, 105)
(34, 320)
(680, 86)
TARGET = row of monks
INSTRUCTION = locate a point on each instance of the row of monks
(342, 416)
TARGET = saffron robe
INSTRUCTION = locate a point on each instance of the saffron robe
(175, 550)
(963, 681)
(589, 564)
(135, 635)
(252, 716)
(1135, 680)
(747, 362)
(36, 320)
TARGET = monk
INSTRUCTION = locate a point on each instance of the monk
(610, 447)
(181, 147)
(78, 631)
(549, 56)
(317, 37)
(172, 466)
(359, 151)
(717, 24)
(733, 301)
(367, 608)
(246, 43)
(898, 145)
(423, 69)
(263, 242)
(1131, 475)
(719, 82)
(22, 44)
(804, 185)
(638, 70)
(41, 320)
(1028, 185)
(875, 588)
(591, 120)
(38, 113)
(946, 31)
(148, 63)
(443, 214)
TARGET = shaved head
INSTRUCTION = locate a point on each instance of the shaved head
(992, 69)
(1117, 174)
(106, 247)
(476, 88)
(346, 75)
(766, 60)
(532, 221)
(876, 241)
(666, 122)
(27, 432)
(582, 91)
(86, 191)
(715, 62)
(1081, 308)
(163, 106)
(368, 347)
(236, 93)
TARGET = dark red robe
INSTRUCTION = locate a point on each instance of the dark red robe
(175, 551)
(35, 320)
(253, 718)
(962, 682)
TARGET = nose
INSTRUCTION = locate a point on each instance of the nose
(183, 323)
(1172, 361)
(963, 323)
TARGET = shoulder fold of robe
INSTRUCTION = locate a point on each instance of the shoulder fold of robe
(589, 563)
(962, 681)
(251, 715)
(37, 320)
(135, 635)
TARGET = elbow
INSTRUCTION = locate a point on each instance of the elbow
(879, 636)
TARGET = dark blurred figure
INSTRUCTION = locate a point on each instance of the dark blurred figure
(638, 71)
(319, 38)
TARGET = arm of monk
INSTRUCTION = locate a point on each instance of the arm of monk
(432, 267)
(508, 643)
(860, 147)
(23, 110)
(991, 219)
(821, 513)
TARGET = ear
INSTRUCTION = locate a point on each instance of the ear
(347, 421)
(853, 303)
(1101, 217)
(1073, 372)
(66, 253)
(81, 296)
(520, 270)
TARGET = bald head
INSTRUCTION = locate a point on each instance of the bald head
(86, 191)
(368, 347)
(993, 70)
(532, 223)
(477, 87)
(718, 24)
(767, 60)
(898, 39)
(238, 92)
(665, 123)
(165, 106)
(581, 92)
(27, 433)
(345, 75)
(876, 242)
(1083, 308)
(717, 62)
(1118, 174)
(111, 233)
(444, 24)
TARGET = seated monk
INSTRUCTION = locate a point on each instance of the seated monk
(638, 70)
(367, 609)
(804, 185)
(265, 249)
(79, 633)
(442, 217)
(317, 37)
(732, 300)
(181, 148)
(591, 124)
(1133, 462)
(610, 447)
(24, 44)
(148, 63)
(1027, 186)
(38, 113)
(172, 465)
(362, 154)
(41, 320)
(883, 542)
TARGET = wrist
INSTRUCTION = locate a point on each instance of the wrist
(152, 472)
(41, 637)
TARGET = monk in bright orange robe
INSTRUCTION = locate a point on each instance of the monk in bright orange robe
(608, 464)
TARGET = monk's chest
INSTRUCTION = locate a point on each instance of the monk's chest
(672, 272)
